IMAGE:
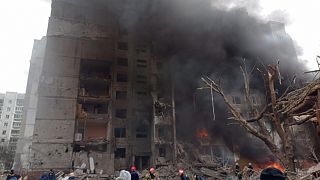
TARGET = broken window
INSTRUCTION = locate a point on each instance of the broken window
(7, 116)
(95, 68)
(122, 77)
(236, 100)
(121, 113)
(162, 152)
(123, 46)
(95, 107)
(142, 132)
(120, 132)
(4, 132)
(120, 153)
(121, 95)
(122, 61)
(8, 109)
(141, 63)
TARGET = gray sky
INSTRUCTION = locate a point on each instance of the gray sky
(25, 20)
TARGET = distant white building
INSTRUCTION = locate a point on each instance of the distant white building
(11, 112)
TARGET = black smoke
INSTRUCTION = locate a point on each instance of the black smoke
(205, 37)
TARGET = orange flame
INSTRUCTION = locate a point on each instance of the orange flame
(202, 133)
(275, 165)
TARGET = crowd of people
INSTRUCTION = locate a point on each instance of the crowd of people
(246, 173)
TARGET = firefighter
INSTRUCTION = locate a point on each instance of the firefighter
(238, 172)
(134, 173)
(182, 175)
(152, 174)
(250, 170)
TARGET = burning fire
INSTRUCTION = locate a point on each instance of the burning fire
(275, 165)
(202, 133)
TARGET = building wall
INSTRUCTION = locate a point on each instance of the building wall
(95, 96)
(31, 99)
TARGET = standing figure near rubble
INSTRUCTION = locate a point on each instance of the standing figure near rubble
(250, 170)
(134, 173)
(238, 172)
(182, 175)
(152, 174)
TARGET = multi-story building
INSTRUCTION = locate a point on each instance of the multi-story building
(11, 112)
(98, 100)
(30, 101)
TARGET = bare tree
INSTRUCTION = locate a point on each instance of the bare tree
(6, 157)
(279, 111)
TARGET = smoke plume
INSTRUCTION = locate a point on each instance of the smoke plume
(205, 37)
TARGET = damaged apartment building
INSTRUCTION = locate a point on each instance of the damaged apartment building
(98, 101)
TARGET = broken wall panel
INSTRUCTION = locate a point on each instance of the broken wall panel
(51, 156)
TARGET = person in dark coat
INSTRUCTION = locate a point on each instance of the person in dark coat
(182, 175)
(134, 173)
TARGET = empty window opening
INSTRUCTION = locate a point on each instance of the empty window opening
(95, 69)
(95, 108)
(121, 113)
(120, 153)
(142, 132)
(7, 116)
(94, 88)
(120, 132)
(121, 95)
(162, 152)
(122, 77)
(4, 132)
(123, 46)
(122, 61)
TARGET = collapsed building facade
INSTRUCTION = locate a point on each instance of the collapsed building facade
(97, 98)
(99, 93)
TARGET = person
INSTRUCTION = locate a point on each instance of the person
(182, 175)
(151, 174)
(134, 173)
(250, 170)
(124, 175)
(238, 172)
(13, 176)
